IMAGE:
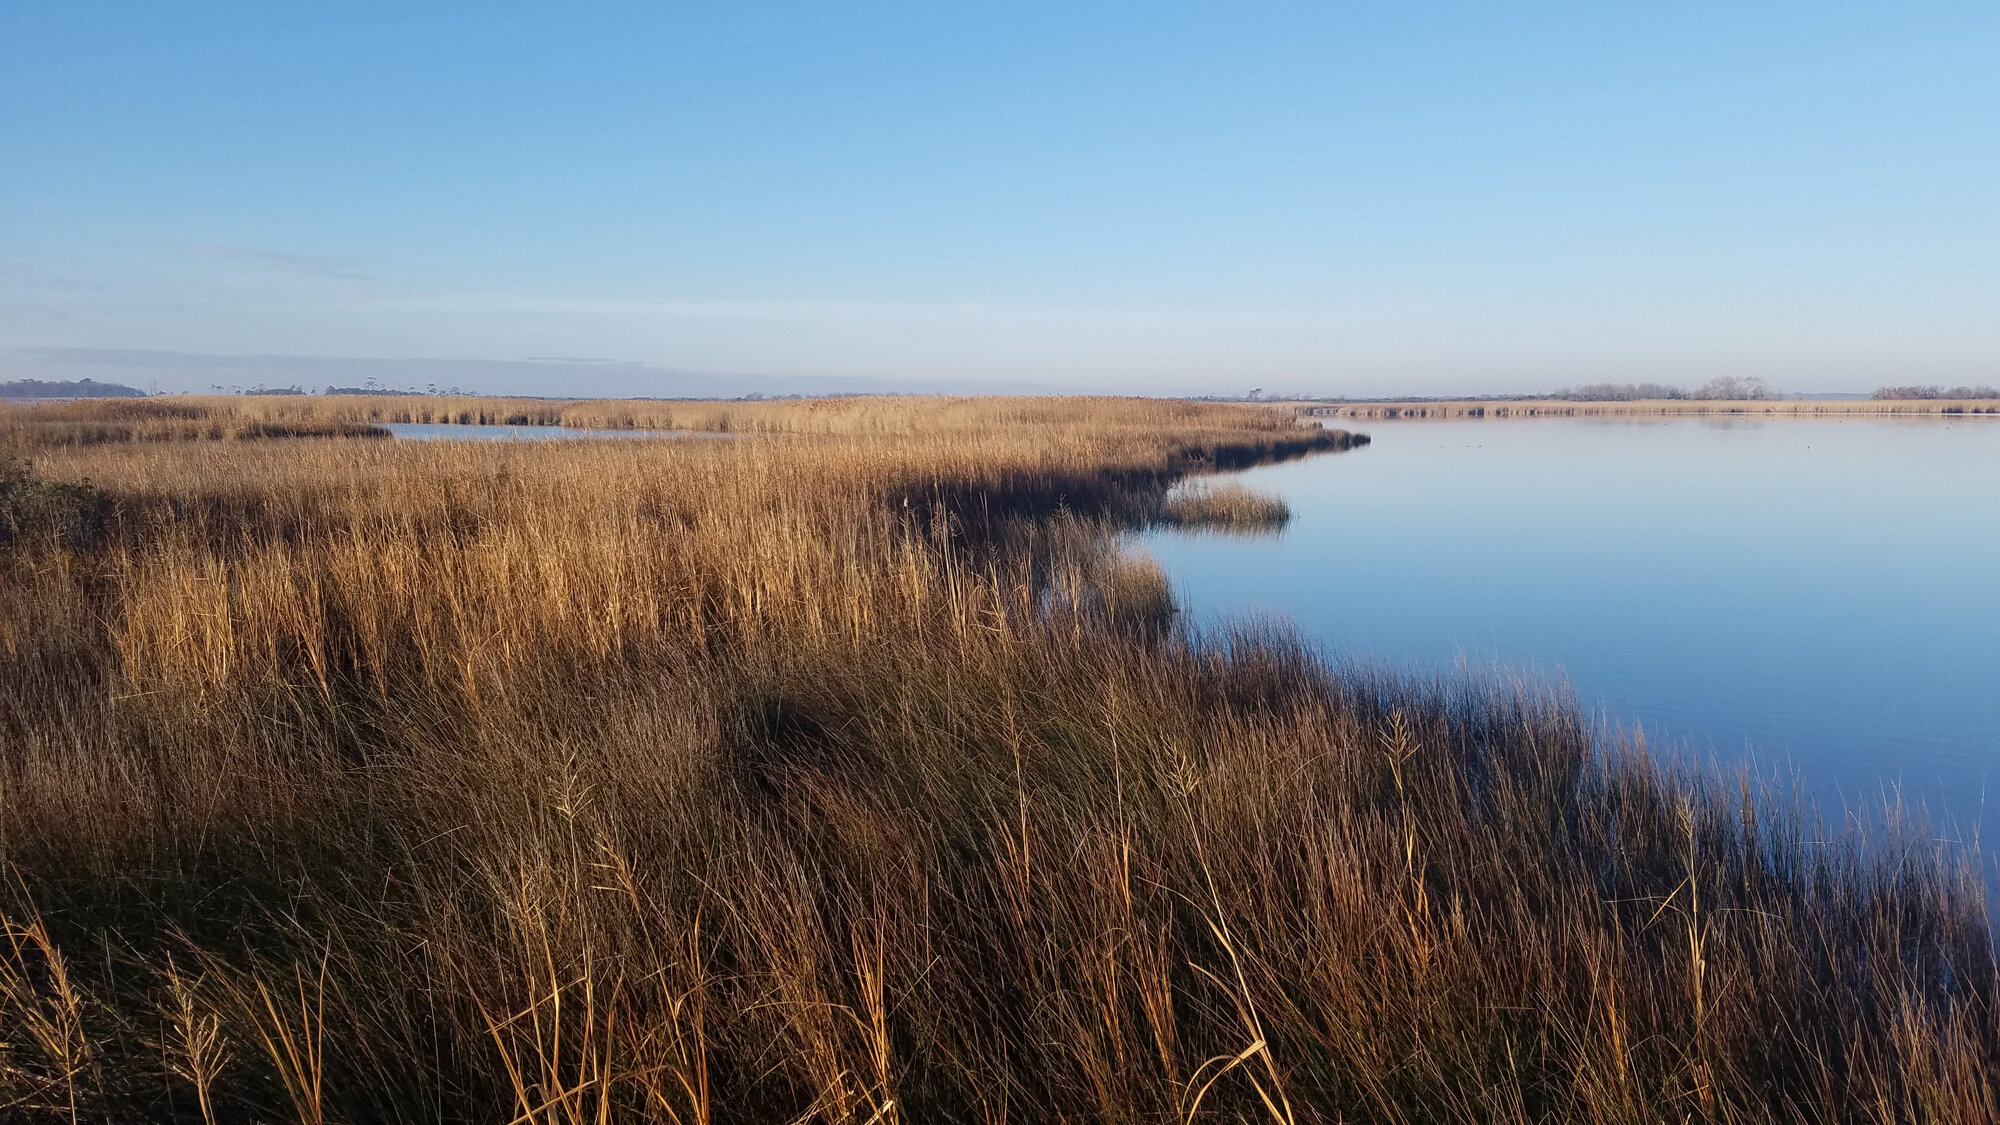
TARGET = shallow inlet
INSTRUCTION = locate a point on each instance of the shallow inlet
(1796, 593)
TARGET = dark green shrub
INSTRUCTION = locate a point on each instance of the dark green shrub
(31, 510)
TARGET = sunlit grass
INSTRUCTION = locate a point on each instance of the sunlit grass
(1226, 507)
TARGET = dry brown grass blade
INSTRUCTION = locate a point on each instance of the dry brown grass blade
(40, 1001)
(296, 1052)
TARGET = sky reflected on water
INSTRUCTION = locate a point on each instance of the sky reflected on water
(1817, 594)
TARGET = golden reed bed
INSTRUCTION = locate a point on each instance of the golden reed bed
(230, 417)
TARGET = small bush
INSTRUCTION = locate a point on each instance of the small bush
(1729, 388)
(71, 514)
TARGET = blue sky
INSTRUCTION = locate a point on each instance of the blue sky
(1364, 198)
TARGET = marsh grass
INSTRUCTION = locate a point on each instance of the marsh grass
(27, 428)
(852, 775)
(1225, 507)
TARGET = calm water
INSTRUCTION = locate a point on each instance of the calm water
(428, 432)
(1817, 595)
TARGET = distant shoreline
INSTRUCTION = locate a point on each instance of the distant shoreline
(1561, 408)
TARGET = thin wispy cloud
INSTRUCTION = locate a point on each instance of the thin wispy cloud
(307, 265)
(939, 312)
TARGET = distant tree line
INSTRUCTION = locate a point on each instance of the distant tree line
(1936, 392)
(371, 387)
(1727, 388)
(80, 388)
(1621, 392)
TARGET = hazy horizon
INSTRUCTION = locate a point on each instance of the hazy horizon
(1183, 199)
(165, 372)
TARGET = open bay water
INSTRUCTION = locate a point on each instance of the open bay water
(1817, 597)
